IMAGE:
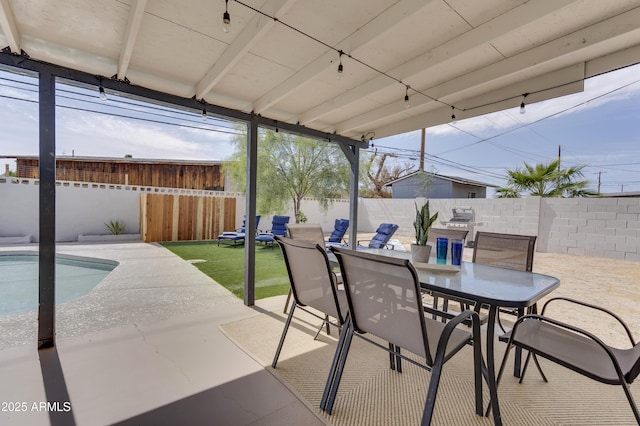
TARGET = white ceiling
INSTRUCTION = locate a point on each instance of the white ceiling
(475, 55)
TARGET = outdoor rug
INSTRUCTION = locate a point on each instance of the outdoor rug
(372, 394)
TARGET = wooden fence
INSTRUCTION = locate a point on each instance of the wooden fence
(172, 217)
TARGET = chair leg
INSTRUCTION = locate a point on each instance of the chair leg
(392, 357)
(502, 365)
(326, 321)
(398, 360)
(526, 364)
(286, 304)
(334, 365)
(284, 334)
(627, 392)
(339, 369)
(435, 305)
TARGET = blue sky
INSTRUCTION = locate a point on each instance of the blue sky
(598, 128)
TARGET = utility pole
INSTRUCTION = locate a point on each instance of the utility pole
(599, 177)
(422, 141)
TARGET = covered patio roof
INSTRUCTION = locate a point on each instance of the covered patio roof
(280, 58)
(406, 65)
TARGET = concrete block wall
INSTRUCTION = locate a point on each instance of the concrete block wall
(600, 227)
(606, 227)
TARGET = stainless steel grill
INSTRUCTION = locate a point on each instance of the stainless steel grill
(463, 218)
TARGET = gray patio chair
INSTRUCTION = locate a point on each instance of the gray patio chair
(312, 284)
(306, 231)
(385, 301)
(505, 250)
(508, 251)
(303, 231)
(576, 349)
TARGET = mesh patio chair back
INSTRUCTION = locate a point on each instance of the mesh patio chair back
(312, 283)
(306, 231)
(505, 250)
(451, 234)
(384, 299)
(339, 229)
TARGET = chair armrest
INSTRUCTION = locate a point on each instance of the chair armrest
(598, 308)
(448, 329)
(569, 327)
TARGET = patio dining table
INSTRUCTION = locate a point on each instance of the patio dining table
(485, 286)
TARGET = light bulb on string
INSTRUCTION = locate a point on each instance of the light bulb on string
(226, 18)
(204, 113)
(407, 104)
(522, 107)
(103, 95)
(340, 67)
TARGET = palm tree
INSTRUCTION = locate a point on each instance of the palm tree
(546, 180)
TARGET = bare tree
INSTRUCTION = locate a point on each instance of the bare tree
(380, 173)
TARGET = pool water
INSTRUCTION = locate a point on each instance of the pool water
(75, 277)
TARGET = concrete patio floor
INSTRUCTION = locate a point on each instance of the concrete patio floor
(144, 347)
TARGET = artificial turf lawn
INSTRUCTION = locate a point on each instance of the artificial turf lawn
(225, 264)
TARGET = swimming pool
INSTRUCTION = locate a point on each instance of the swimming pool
(75, 276)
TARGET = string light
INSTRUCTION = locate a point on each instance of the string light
(407, 105)
(103, 95)
(453, 115)
(204, 112)
(522, 108)
(226, 18)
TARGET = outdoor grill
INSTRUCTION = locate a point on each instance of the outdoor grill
(463, 218)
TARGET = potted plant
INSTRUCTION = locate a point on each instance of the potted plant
(420, 251)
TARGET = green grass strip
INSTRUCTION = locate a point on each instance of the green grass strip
(225, 265)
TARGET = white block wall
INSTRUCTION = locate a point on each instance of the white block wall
(601, 227)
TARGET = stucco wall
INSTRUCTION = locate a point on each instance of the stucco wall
(601, 227)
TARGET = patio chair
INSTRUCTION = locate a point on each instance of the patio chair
(278, 227)
(309, 232)
(337, 235)
(505, 250)
(384, 300)
(313, 284)
(383, 234)
(237, 235)
(306, 231)
(576, 349)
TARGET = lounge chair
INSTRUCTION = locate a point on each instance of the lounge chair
(337, 235)
(313, 285)
(383, 234)
(278, 227)
(576, 349)
(384, 300)
(238, 235)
